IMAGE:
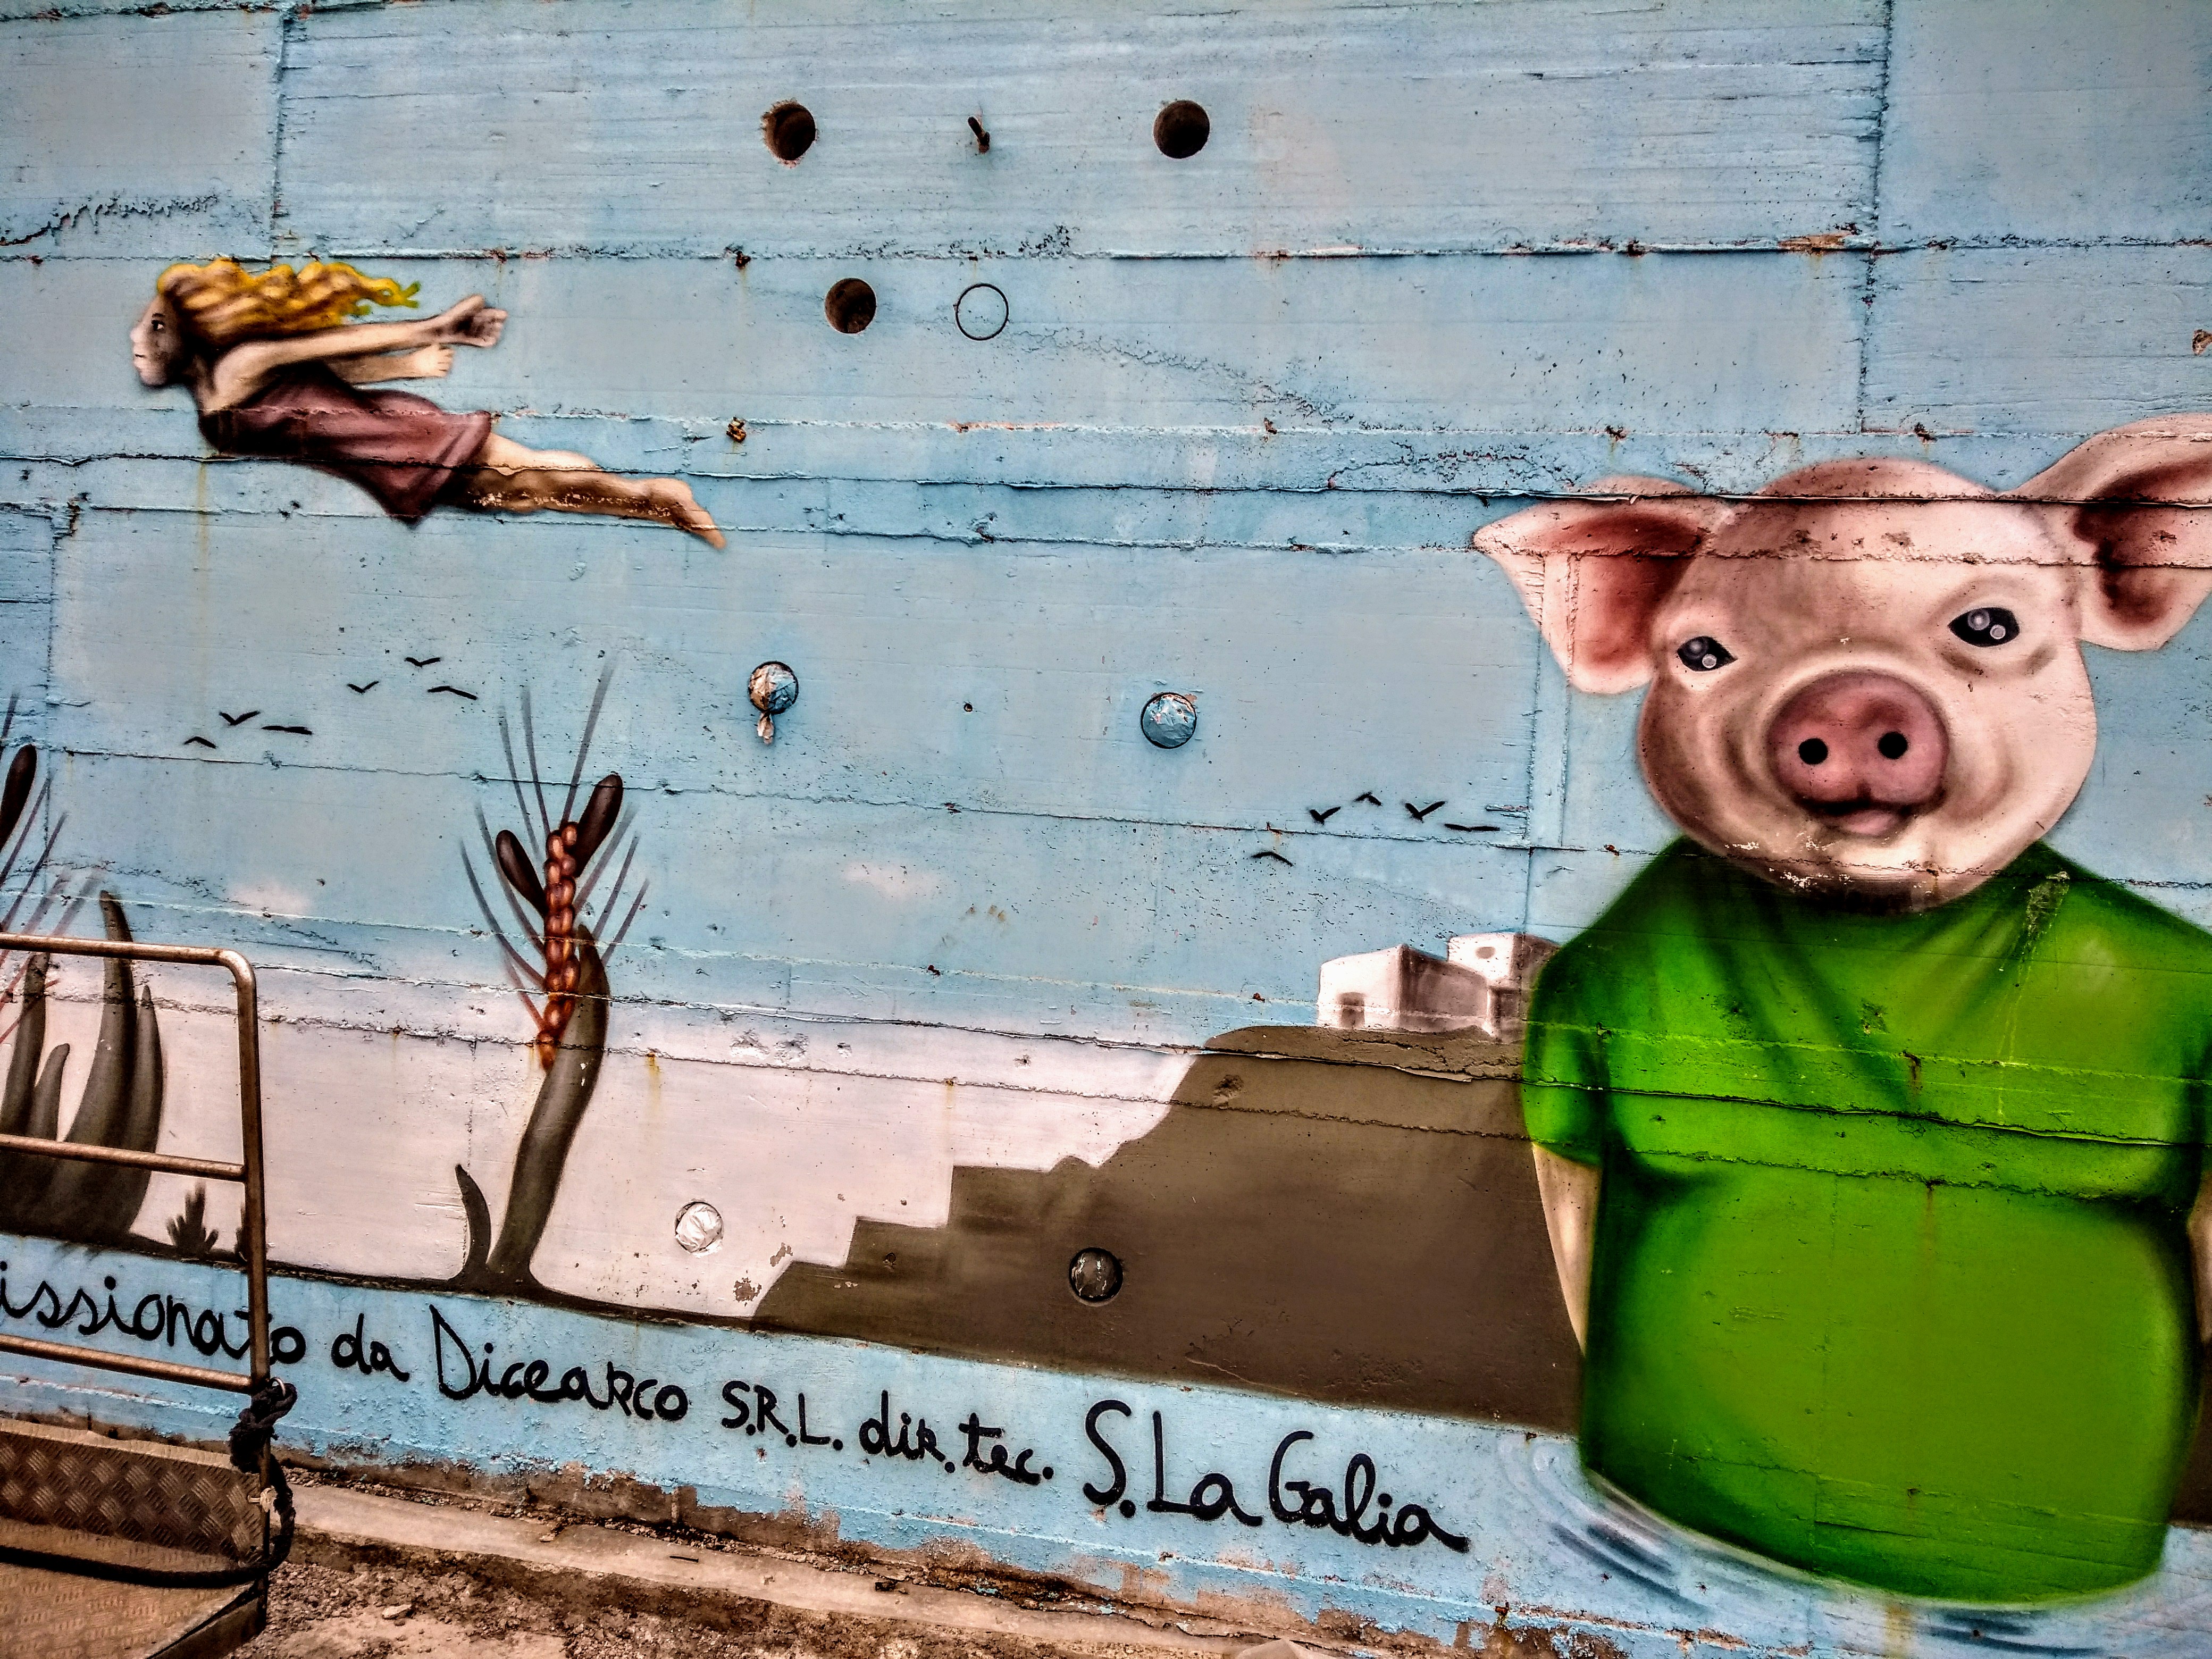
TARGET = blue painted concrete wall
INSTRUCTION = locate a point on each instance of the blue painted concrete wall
(1435, 263)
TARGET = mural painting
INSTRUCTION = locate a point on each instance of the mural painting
(567, 970)
(1834, 1126)
(1864, 1127)
(1550, 1020)
(273, 362)
(1871, 1128)
(120, 1105)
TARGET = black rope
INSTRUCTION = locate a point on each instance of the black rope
(250, 1454)
(117, 1572)
(256, 1426)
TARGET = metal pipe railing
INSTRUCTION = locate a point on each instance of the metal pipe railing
(167, 1161)
(253, 1221)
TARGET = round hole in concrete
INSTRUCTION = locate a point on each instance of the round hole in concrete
(788, 130)
(1169, 719)
(981, 311)
(1181, 129)
(772, 688)
(850, 305)
(698, 1226)
(1094, 1275)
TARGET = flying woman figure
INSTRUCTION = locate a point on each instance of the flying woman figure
(272, 361)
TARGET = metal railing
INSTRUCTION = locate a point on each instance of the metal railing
(253, 1216)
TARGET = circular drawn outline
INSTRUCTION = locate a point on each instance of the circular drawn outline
(1006, 311)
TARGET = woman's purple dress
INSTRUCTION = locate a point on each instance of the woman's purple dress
(402, 449)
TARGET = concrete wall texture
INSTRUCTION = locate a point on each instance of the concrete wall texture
(1721, 487)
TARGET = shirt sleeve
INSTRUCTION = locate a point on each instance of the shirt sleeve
(1563, 1071)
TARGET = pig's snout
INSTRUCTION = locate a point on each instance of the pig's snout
(1862, 750)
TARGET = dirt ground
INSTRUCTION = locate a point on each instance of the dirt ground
(327, 1613)
(319, 1611)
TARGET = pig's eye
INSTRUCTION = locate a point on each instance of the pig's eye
(1704, 654)
(1988, 626)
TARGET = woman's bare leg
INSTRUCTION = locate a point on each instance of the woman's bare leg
(508, 478)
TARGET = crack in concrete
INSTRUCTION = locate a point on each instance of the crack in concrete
(114, 207)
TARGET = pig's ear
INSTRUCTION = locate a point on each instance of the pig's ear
(2135, 506)
(1594, 573)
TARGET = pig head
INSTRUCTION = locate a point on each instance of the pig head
(1867, 677)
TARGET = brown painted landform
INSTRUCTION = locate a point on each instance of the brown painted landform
(1348, 1216)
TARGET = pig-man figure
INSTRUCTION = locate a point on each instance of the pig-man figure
(1871, 1131)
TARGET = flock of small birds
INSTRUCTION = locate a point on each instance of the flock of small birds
(1321, 815)
(201, 740)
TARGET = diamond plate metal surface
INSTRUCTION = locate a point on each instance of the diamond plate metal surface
(58, 1615)
(138, 1492)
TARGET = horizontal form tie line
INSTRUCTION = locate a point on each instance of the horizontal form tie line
(1813, 246)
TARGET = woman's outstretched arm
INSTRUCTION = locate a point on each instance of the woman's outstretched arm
(240, 374)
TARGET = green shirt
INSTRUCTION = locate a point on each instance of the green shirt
(1891, 1279)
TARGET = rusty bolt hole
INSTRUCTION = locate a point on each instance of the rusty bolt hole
(1094, 1275)
(1181, 129)
(850, 306)
(788, 130)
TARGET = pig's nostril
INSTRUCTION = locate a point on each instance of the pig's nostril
(1811, 751)
(1893, 745)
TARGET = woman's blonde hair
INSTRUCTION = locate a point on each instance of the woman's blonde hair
(223, 303)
